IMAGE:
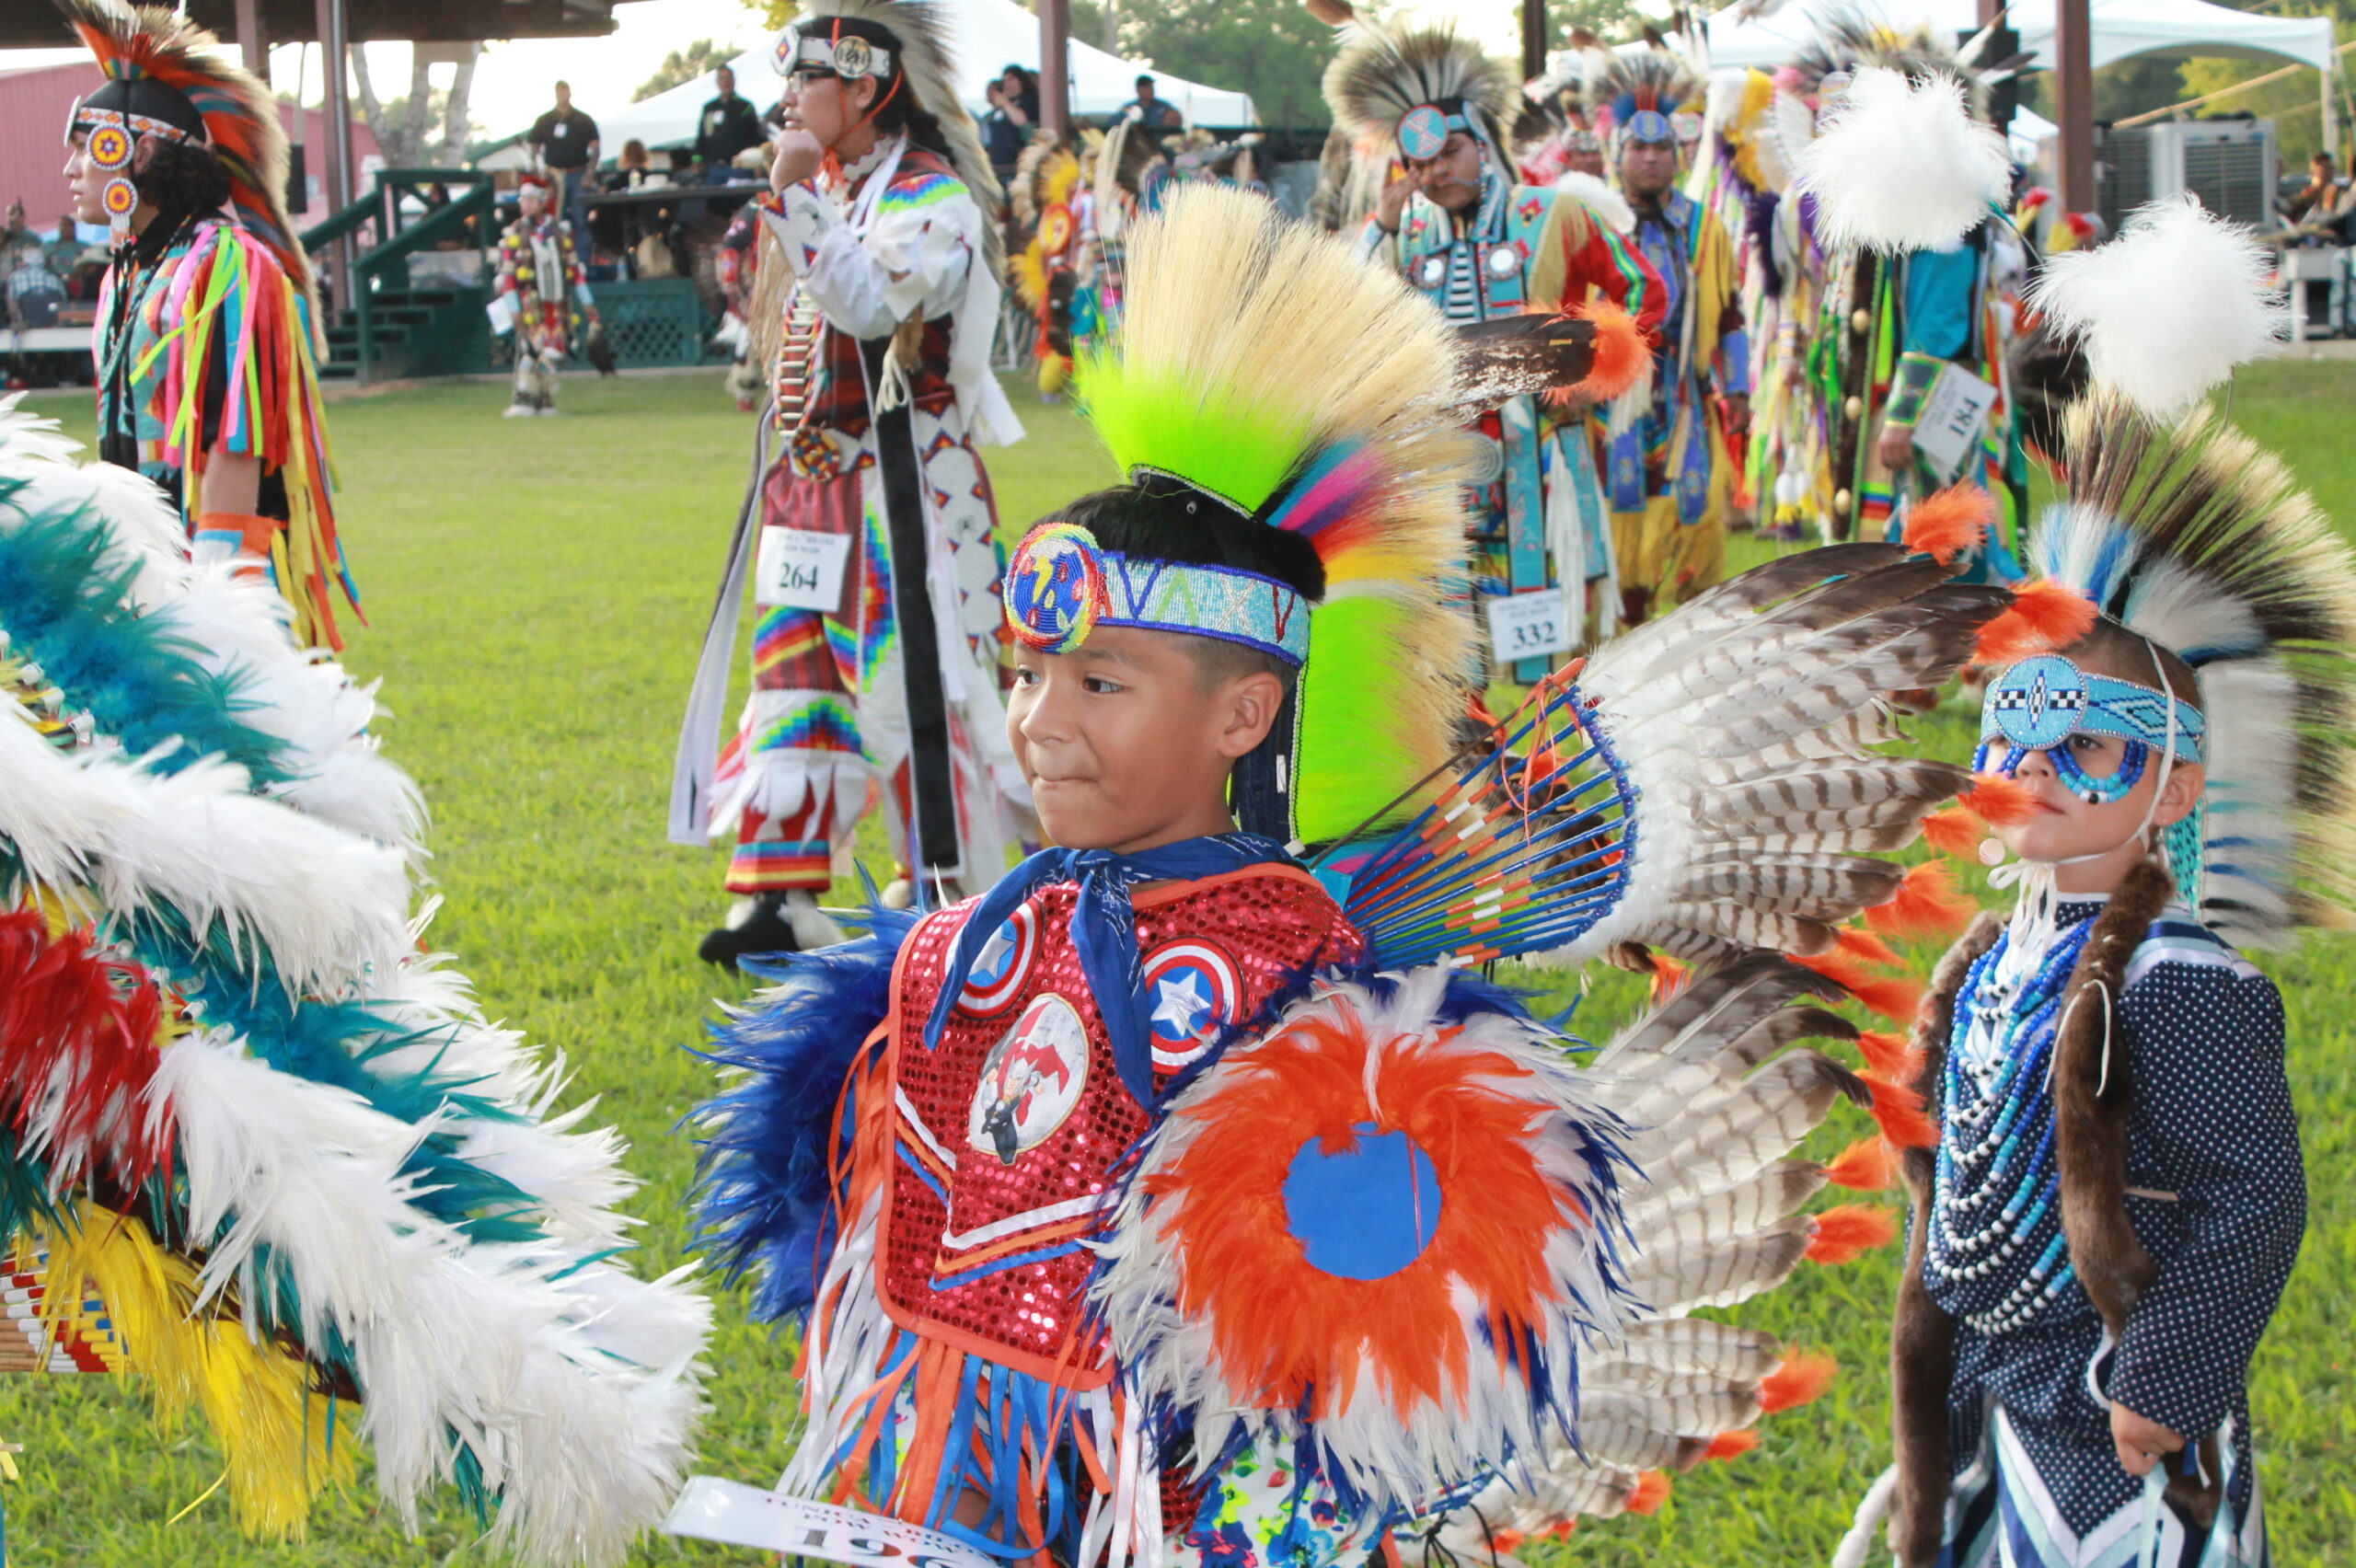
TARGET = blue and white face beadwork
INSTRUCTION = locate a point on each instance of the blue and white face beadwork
(1060, 587)
(2039, 704)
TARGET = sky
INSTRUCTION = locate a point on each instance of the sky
(513, 81)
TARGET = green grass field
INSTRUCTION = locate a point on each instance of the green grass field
(537, 590)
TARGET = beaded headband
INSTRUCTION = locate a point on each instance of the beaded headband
(850, 57)
(2041, 702)
(1060, 587)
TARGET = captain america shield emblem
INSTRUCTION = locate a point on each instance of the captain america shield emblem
(1191, 993)
(999, 970)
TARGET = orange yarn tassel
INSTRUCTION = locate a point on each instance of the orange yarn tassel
(1668, 977)
(1953, 832)
(1891, 1056)
(1997, 800)
(1898, 1112)
(1801, 1379)
(1848, 1232)
(1863, 946)
(1621, 354)
(1731, 1445)
(1869, 1165)
(1652, 1491)
(2045, 616)
(1926, 903)
(1950, 523)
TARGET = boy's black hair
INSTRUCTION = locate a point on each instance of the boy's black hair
(182, 178)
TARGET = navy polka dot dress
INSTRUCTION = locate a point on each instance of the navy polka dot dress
(2216, 1193)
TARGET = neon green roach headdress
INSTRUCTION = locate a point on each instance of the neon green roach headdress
(1264, 365)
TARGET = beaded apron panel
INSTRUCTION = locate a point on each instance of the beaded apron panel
(1008, 1137)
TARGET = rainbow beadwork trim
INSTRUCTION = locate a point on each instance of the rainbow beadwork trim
(1060, 587)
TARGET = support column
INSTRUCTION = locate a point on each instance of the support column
(1054, 67)
(2073, 87)
(1533, 40)
(335, 110)
(252, 47)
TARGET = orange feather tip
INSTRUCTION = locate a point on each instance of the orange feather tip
(1927, 903)
(1508, 1540)
(1895, 998)
(1863, 946)
(2046, 615)
(1997, 800)
(1731, 1445)
(1898, 1112)
(1802, 1379)
(1846, 1233)
(1950, 523)
(1869, 1165)
(1891, 1056)
(1652, 1491)
(1668, 977)
(1953, 832)
(1620, 353)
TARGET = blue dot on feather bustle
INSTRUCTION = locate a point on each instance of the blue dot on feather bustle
(1366, 1212)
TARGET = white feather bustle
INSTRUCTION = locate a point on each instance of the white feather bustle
(575, 1384)
(2167, 309)
(1902, 165)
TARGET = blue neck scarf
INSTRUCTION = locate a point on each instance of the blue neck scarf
(1103, 930)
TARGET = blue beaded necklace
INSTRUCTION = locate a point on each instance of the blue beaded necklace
(1995, 1255)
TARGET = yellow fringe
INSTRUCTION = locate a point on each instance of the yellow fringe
(272, 1430)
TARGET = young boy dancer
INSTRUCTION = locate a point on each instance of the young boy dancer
(1169, 1201)
(2116, 1196)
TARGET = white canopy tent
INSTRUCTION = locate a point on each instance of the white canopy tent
(986, 36)
(2121, 28)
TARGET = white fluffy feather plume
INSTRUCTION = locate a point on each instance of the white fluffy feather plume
(1599, 199)
(2167, 309)
(1902, 165)
(573, 1384)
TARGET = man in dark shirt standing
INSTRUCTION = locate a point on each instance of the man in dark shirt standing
(566, 142)
(1149, 110)
(728, 126)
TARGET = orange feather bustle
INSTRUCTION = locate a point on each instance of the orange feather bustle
(2045, 616)
(1869, 1165)
(1668, 977)
(1863, 946)
(1731, 1445)
(1927, 903)
(1950, 523)
(1283, 1332)
(1997, 800)
(1802, 1379)
(1620, 352)
(1890, 1056)
(1898, 1110)
(1848, 1232)
(1652, 1491)
(1953, 832)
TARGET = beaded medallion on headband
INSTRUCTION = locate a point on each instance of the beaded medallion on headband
(852, 58)
(2039, 703)
(1060, 587)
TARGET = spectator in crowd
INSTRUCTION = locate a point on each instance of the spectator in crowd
(15, 232)
(1021, 97)
(35, 294)
(729, 126)
(565, 141)
(2320, 193)
(1149, 110)
(634, 170)
(66, 250)
(1002, 137)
